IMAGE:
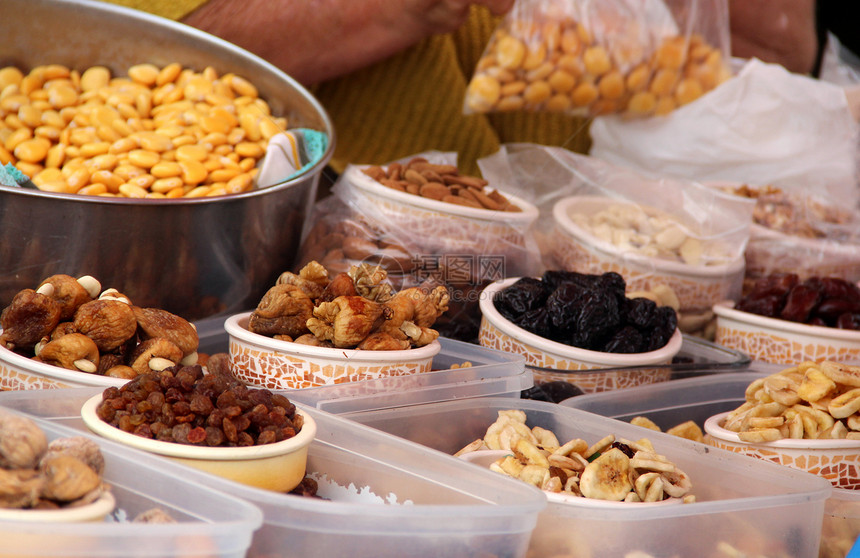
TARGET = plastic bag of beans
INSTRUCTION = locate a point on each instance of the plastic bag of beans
(588, 57)
(417, 218)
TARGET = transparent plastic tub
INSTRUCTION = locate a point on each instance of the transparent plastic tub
(387, 497)
(751, 506)
(209, 523)
(479, 372)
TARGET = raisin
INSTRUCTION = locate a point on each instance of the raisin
(625, 449)
(197, 436)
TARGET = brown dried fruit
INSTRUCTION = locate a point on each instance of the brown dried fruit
(22, 442)
(284, 309)
(156, 353)
(74, 351)
(109, 323)
(154, 515)
(28, 318)
(67, 478)
(20, 488)
(121, 371)
(81, 447)
(346, 320)
(68, 293)
(155, 322)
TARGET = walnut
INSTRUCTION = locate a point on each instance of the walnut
(20, 488)
(28, 318)
(67, 478)
(68, 292)
(81, 447)
(371, 282)
(156, 353)
(22, 442)
(155, 322)
(109, 323)
(74, 351)
(284, 309)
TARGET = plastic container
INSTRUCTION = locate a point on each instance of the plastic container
(209, 523)
(671, 403)
(487, 372)
(754, 507)
(387, 497)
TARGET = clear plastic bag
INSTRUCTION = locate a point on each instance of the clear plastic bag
(593, 57)
(416, 240)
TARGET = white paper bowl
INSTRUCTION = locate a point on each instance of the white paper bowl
(777, 341)
(835, 460)
(266, 362)
(18, 372)
(575, 249)
(485, 458)
(553, 361)
(279, 466)
(97, 510)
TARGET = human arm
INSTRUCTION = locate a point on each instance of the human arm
(315, 40)
(776, 31)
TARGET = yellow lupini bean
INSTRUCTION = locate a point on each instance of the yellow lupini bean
(160, 132)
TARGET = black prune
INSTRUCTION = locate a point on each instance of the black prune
(626, 340)
(525, 294)
(536, 321)
(848, 321)
(640, 312)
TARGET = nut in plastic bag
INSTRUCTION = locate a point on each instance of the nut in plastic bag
(589, 58)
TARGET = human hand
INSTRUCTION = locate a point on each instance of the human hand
(442, 16)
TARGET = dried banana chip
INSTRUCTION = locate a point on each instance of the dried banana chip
(645, 422)
(607, 477)
(689, 430)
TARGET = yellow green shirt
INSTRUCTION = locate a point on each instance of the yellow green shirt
(413, 101)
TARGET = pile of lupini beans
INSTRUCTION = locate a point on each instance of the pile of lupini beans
(165, 132)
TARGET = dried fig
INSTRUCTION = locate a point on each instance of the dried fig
(22, 442)
(109, 323)
(67, 478)
(80, 447)
(157, 353)
(284, 310)
(68, 292)
(155, 322)
(74, 351)
(20, 488)
(28, 318)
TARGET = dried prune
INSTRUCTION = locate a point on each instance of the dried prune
(525, 294)
(626, 340)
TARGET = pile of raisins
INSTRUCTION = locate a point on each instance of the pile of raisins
(182, 404)
(820, 301)
(587, 311)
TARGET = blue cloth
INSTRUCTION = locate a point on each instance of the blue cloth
(11, 176)
(313, 146)
(855, 550)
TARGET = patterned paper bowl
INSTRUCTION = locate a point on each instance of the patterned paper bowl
(697, 286)
(484, 458)
(552, 361)
(777, 341)
(278, 466)
(18, 372)
(835, 460)
(96, 510)
(265, 362)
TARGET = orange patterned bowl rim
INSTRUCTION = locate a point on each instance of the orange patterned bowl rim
(561, 215)
(488, 309)
(726, 310)
(363, 182)
(236, 327)
(713, 427)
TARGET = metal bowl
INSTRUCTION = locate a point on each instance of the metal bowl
(193, 257)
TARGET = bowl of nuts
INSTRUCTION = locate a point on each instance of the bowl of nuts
(312, 330)
(211, 422)
(102, 197)
(68, 332)
(783, 319)
(570, 326)
(805, 417)
(51, 481)
(648, 247)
